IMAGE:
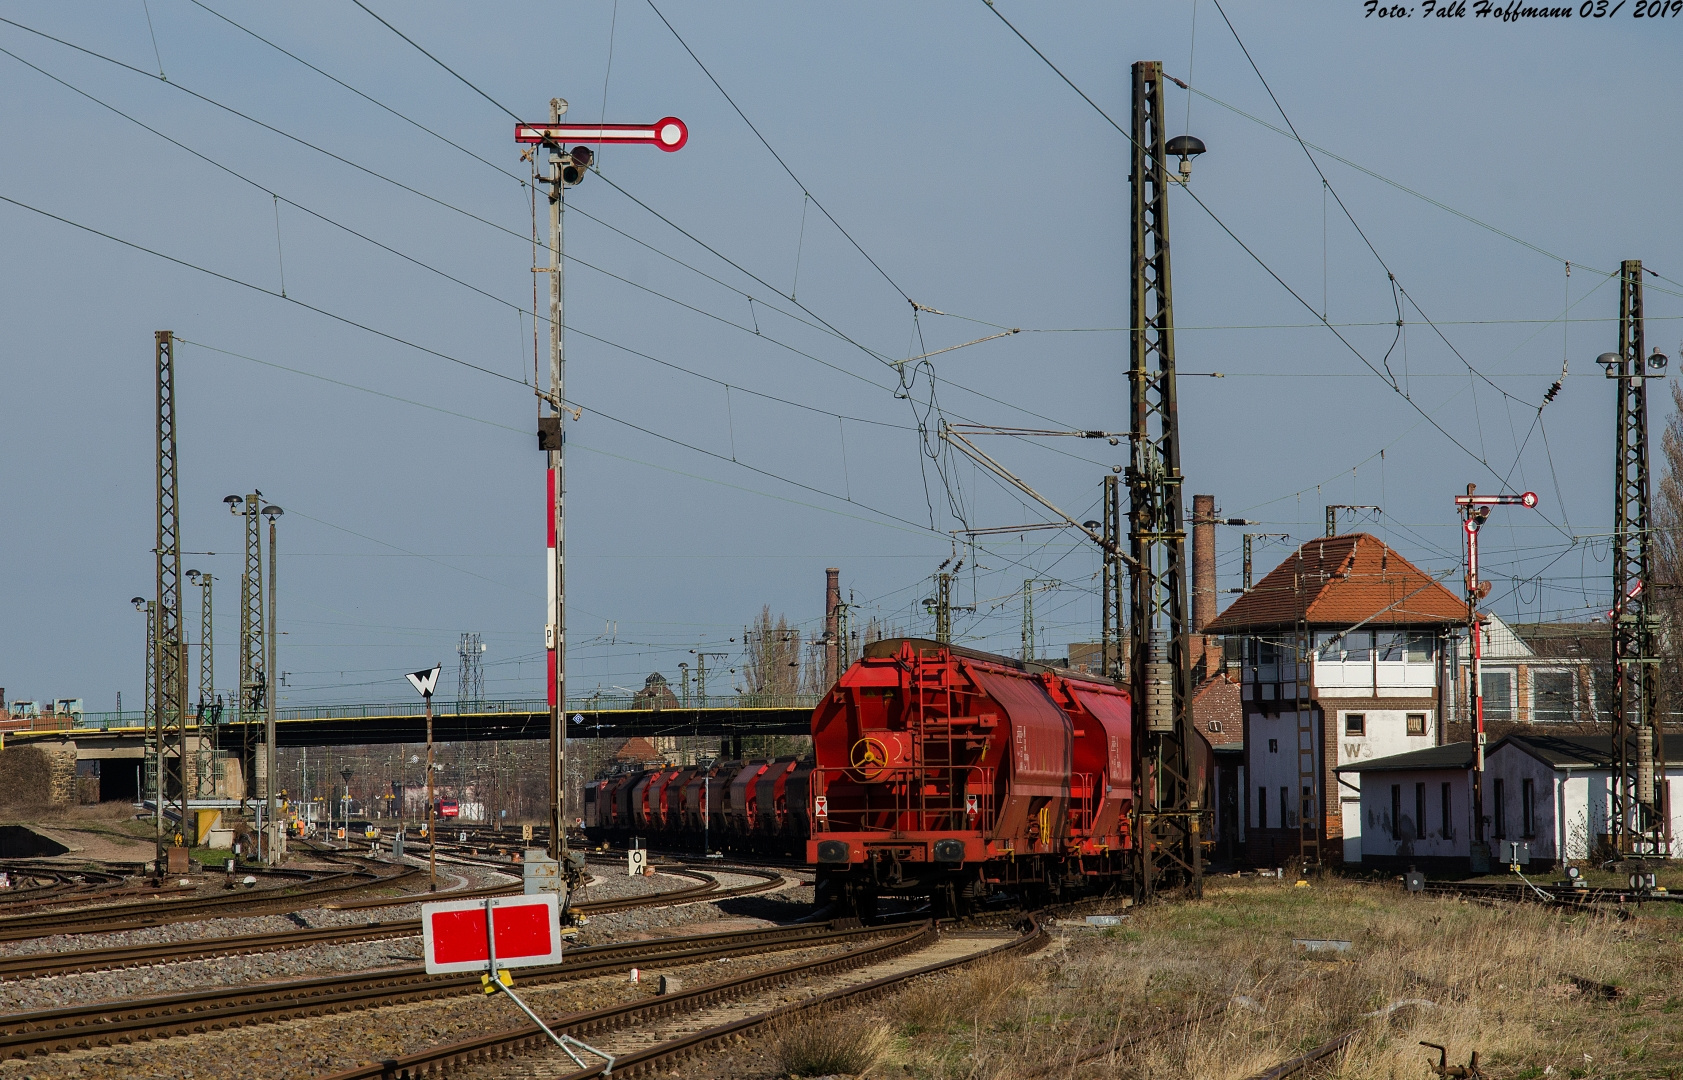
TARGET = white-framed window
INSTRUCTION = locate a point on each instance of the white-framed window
(1553, 696)
(1421, 648)
(1355, 723)
(1498, 690)
(1388, 645)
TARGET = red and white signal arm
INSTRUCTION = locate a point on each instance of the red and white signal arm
(528, 933)
(668, 133)
(821, 806)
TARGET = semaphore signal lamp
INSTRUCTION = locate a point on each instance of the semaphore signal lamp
(575, 164)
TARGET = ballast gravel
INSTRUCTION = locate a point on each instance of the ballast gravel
(324, 1045)
(319, 960)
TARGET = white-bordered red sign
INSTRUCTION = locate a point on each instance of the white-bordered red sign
(528, 933)
(668, 133)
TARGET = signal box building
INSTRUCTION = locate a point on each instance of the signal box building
(1371, 686)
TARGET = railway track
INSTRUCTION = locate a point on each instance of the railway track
(133, 916)
(600, 1022)
(706, 888)
(26, 1035)
(40, 965)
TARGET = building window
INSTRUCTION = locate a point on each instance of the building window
(1388, 645)
(1528, 807)
(1446, 832)
(1358, 645)
(1267, 652)
(1262, 808)
(1396, 812)
(1215, 726)
(1552, 696)
(1498, 688)
(1419, 811)
(1355, 723)
(1273, 746)
(1420, 648)
(1501, 811)
(1417, 723)
(1287, 818)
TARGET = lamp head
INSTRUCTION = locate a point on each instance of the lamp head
(192, 575)
(1609, 362)
(1185, 147)
(234, 503)
(139, 603)
(272, 512)
(1657, 361)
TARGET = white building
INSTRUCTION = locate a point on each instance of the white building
(1551, 792)
(1373, 682)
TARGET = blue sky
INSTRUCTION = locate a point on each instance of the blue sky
(977, 182)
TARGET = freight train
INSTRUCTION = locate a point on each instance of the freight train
(937, 771)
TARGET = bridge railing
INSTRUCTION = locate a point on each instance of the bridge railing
(585, 706)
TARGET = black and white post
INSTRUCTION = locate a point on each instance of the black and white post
(426, 682)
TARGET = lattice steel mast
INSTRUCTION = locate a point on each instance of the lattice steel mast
(1111, 636)
(1167, 830)
(169, 712)
(254, 683)
(1639, 822)
(208, 712)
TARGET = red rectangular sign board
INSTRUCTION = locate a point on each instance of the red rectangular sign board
(528, 933)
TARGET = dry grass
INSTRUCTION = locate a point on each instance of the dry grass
(1478, 978)
(832, 1044)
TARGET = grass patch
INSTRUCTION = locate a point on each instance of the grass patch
(835, 1043)
(1419, 969)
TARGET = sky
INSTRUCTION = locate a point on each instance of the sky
(338, 229)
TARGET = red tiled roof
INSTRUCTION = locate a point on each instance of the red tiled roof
(1345, 580)
(1217, 698)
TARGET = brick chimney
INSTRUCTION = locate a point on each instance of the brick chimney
(832, 645)
(1203, 572)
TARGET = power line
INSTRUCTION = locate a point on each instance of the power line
(1389, 381)
(804, 189)
(436, 60)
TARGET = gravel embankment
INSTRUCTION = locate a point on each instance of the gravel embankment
(315, 961)
(304, 1048)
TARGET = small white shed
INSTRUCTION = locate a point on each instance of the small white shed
(1416, 807)
(1554, 792)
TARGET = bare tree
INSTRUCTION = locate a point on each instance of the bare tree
(1667, 551)
(773, 657)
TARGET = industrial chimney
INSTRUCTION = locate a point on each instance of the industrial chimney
(832, 645)
(1203, 562)
(1203, 574)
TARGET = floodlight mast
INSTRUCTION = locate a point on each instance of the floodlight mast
(1474, 510)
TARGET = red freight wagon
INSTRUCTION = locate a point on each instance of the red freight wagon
(951, 773)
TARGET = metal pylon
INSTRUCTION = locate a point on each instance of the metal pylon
(1112, 636)
(210, 710)
(170, 685)
(1638, 818)
(1167, 828)
(254, 682)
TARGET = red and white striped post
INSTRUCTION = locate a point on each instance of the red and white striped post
(1474, 509)
(567, 168)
